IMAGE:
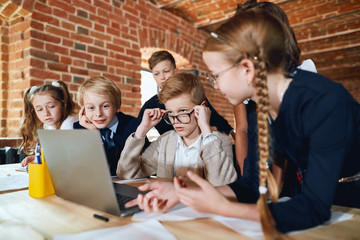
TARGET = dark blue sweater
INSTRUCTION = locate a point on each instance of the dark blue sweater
(318, 129)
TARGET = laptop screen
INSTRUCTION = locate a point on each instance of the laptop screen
(78, 168)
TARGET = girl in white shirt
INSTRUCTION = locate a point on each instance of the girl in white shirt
(49, 106)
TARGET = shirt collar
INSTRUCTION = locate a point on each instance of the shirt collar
(113, 124)
(196, 144)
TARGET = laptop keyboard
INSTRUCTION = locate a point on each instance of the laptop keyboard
(122, 200)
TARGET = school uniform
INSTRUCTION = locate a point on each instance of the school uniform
(121, 127)
(246, 187)
(211, 156)
(318, 129)
(216, 119)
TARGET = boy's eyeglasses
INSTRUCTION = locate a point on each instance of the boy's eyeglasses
(183, 118)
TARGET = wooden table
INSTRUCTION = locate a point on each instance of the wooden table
(24, 217)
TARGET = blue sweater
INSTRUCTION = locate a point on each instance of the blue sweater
(318, 130)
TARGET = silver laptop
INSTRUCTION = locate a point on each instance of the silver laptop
(79, 171)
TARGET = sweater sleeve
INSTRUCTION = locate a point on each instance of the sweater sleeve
(218, 121)
(132, 164)
(328, 128)
(218, 161)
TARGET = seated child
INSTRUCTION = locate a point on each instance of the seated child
(100, 101)
(191, 145)
(48, 106)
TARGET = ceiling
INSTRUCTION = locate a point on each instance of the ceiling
(204, 14)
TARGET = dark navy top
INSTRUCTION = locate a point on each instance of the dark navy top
(318, 129)
(215, 119)
(246, 187)
(126, 126)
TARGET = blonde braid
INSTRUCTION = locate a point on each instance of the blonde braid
(265, 175)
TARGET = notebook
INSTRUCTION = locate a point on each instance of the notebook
(79, 171)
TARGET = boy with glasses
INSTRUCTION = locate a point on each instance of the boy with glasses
(190, 146)
(162, 64)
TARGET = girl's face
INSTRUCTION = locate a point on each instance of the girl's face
(162, 71)
(232, 80)
(48, 110)
(182, 104)
(99, 109)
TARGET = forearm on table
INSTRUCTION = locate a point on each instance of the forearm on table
(227, 192)
(240, 210)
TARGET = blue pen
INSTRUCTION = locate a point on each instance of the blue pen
(37, 154)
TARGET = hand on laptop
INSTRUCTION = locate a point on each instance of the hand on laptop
(161, 198)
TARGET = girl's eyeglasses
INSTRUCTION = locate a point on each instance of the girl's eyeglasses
(183, 118)
(213, 78)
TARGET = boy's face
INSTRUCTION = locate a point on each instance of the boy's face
(162, 71)
(99, 109)
(48, 110)
(180, 105)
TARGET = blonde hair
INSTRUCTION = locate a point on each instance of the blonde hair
(30, 122)
(183, 83)
(101, 85)
(260, 37)
(292, 49)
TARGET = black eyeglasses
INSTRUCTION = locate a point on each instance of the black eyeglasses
(183, 118)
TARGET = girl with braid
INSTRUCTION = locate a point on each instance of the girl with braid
(315, 122)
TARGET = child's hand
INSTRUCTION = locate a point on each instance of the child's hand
(150, 119)
(205, 198)
(84, 121)
(203, 113)
(161, 198)
(27, 160)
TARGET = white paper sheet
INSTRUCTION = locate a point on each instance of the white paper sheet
(150, 230)
(177, 213)
(253, 229)
(11, 179)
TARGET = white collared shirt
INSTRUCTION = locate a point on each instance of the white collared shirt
(113, 126)
(186, 157)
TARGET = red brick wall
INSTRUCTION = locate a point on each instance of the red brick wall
(328, 32)
(73, 40)
(15, 72)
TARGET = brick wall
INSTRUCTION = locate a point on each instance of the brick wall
(73, 40)
(328, 32)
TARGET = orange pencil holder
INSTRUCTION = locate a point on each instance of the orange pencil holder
(40, 184)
